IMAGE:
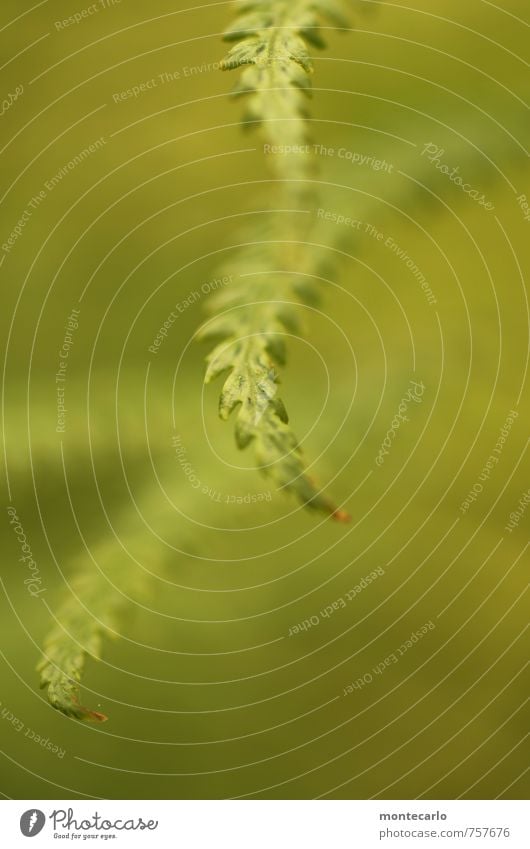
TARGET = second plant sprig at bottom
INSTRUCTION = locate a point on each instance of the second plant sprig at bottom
(251, 319)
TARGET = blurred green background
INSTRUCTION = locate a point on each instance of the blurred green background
(208, 695)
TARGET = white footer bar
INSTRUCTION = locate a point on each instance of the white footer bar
(266, 824)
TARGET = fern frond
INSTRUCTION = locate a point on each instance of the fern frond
(272, 47)
(252, 318)
(90, 613)
(75, 637)
(250, 323)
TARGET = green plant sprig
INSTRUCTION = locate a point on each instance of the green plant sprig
(90, 613)
(76, 636)
(249, 325)
(272, 48)
(252, 317)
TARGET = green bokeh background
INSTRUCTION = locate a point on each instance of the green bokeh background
(208, 696)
